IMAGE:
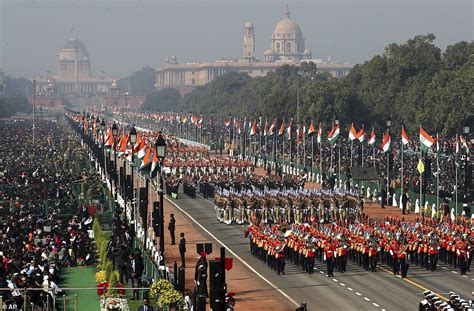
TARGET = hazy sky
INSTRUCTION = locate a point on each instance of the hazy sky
(124, 35)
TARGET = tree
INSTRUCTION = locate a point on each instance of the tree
(140, 82)
(164, 100)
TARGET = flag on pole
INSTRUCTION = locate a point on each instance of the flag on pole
(282, 128)
(146, 161)
(109, 140)
(265, 129)
(463, 142)
(320, 134)
(154, 165)
(311, 129)
(122, 146)
(426, 141)
(361, 135)
(352, 133)
(333, 134)
(371, 141)
(457, 146)
(289, 132)
(272, 127)
(386, 142)
(405, 140)
(227, 122)
(140, 144)
(253, 128)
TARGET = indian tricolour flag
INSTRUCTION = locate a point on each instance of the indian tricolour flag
(320, 134)
(311, 129)
(386, 142)
(289, 132)
(463, 142)
(352, 133)
(282, 128)
(253, 128)
(426, 141)
(371, 141)
(109, 141)
(146, 161)
(361, 135)
(272, 127)
(405, 140)
(333, 134)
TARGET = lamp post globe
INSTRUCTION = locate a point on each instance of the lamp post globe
(389, 122)
(133, 135)
(160, 146)
(102, 125)
(466, 129)
(114, 130)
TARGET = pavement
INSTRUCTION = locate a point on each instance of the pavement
(354, 290)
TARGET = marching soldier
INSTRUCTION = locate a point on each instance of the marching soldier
(329, 256)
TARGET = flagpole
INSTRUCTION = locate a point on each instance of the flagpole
(421, 183)
(304, 147)
(352, 146)
(437, 173)
(320, 162)
(402, 180)
(362, 155)
(456, 176)
(312, 155)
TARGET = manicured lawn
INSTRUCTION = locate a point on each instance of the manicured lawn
(75, 277)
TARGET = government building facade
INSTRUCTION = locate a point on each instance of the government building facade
(287, 46)
(74, 76)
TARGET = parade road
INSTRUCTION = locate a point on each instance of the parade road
(356, 289)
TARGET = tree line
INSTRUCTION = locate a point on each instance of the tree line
(414, 83)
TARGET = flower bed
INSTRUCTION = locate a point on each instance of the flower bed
(114, 304)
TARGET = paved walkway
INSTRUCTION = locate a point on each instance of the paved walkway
(252, 293)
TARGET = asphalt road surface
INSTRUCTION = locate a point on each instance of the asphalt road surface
(354, 290)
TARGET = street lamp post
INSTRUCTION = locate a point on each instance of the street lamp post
(133, 140)
(115, 134)
(160, 146)
(389, 124)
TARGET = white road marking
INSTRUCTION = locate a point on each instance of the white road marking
(350, 289)
(342, 284)
(366, 298)
(234, 254)
(321, 272)
(454, 272)
(445, 268)
(465, 276)
(334, 280)
(375, 305)
(358, 294)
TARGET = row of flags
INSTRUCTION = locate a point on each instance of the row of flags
(145, 157)
(426, 140)
(286, 129)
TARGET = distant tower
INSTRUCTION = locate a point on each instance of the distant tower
(249, 42)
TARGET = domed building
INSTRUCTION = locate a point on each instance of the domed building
(287, 46)
(287, 42)
(74, 74)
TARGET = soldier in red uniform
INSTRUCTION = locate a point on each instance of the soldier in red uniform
(402, 260)
(461, 251)
(329, 256)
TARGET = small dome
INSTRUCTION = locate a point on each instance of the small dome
(248, 25)
(73, 44)
(114, 83)
(72, 49)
